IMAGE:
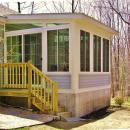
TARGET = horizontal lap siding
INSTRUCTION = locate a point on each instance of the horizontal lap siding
(64, 81)
(91, 80)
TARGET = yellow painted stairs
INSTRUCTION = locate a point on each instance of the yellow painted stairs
(25, 80)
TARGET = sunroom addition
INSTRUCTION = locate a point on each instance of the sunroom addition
(71, 49)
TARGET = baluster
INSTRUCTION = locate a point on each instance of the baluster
(48, 85)
(13, 74)
(37, 85)
(45, 84)
(51, 94)
(22, 76)
(16, 72)
(15, 85)
(1, 76)
(10, 75)
(25, 76)
(41, 86)
(19, 77)
(34, 83)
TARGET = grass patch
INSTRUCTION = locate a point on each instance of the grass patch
(24, 128)
(126, 103)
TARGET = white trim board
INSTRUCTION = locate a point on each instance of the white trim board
(89, 89)
(46, 17)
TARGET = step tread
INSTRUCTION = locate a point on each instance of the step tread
(64, 114)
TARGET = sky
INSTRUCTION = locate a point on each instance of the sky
(39, 5)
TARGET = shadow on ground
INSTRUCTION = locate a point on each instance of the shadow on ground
(70, 125)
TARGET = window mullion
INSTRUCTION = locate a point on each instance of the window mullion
(57, 50)
(85, 50)
(11, 52)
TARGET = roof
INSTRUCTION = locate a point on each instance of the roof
(57, 16)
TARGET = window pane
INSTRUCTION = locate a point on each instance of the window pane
(84, 51)
(87, 48)
(52, 50)
(105, 55)
(14, 49)
(33, 49)
(58, 50)
(97, 53)
(63, 50)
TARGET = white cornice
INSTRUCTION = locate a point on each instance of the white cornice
(55, 16)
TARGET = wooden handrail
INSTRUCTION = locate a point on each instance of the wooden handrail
(43, 88)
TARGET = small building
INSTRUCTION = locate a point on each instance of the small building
(71, 49)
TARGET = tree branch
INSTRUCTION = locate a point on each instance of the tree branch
(118, 13)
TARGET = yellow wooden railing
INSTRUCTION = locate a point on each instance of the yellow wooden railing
(13, 75)
(43, 90)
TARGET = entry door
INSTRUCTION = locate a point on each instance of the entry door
(33, 49)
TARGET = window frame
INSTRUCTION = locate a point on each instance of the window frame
(67, 26)
(100, 53)
(11, 39)
(103, 55)
(84, 71)
(57, 52)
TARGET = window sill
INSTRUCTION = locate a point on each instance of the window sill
(58, 73)
(98, 73)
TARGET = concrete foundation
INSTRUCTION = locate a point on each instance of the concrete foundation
(83, 103)
(79, 104)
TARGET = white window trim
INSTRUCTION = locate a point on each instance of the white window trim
(85, 51)
(68, 26)
(109, 55)
(43, 31)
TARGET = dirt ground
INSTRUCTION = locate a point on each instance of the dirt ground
(119, 119)
(11, 117)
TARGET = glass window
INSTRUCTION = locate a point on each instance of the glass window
(14, 49)
(58, 50)
(1, 43)
(105, 55)
(97, 53)
(33, 49)
(84, 51)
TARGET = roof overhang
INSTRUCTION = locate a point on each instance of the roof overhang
(48, 17)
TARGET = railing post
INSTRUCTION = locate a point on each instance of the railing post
(55, 97)
(29, 84)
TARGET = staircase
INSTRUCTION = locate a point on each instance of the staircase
(25, 80)
(41, 91)
(44, 91)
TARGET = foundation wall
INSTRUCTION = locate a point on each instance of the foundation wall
(83, 103)
(15, 101)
